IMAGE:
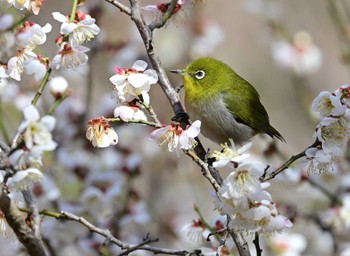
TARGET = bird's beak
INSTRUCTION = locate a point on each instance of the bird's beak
(179, 71)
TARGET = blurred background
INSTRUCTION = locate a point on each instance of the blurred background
(289, 50)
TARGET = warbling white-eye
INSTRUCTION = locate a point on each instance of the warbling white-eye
(228, 106)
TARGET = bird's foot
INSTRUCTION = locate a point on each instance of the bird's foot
(178, 88)
(180, 117)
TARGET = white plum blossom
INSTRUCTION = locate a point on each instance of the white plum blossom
(134, 82)
(177, 138)
(260, 217)
(100, 133)
(242, 196)
(193, 233)
(22, 179)
(32, 34)
(230, 154)
(58, 85)
(333, 134)
(30, 5)
(36, 67)
(82, 29)
(287, 244)
(129, 113)
(15, 64)
(241, 186)
(36, 131)
(316, 160)
(6, 21)
(301, 56)
(344, 211)
(327, 104)
(70, 56)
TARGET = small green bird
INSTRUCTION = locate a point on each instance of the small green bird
(227, 105)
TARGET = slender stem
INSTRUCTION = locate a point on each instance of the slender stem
(3, 126)
(286, 164)
(73, 11)
(116, 119)
(56, 104)
(41, 87)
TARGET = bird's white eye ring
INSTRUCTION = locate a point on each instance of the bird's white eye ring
(200, 74)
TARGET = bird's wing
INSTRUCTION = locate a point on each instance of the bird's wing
(246, 107)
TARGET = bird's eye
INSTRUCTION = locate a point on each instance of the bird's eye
(200, 74)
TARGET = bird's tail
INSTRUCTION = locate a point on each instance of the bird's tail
(274, 133)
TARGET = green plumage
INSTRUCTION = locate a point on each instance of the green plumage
(227, 105)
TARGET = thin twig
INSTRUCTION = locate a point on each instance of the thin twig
(107, 234)
(256, 242)
(117, 119)
(120, 6)
(287, 164)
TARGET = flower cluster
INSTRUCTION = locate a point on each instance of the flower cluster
(73, 34)
(131, 90)
(28, 37)
(30, 5)
(176, 138)
(332, 132)
(36, 138)
(242, 195)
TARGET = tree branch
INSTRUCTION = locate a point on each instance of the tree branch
(120, 6)
(24, 234)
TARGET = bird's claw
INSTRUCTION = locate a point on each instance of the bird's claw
(180, 117)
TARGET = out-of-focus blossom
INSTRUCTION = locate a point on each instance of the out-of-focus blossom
(134, 82)
(22, 179)
(15, 64)
(287, 244)
(100, 133)
(179, 14)
(209, 36)
(176, 138)
(129, 113)
(32, 34)
(334, 134)
(6, 21)
(3, 78)
(82, 29)
(58, 85)
(344, 211)
(230, 154)
(30, 5)
(37, 131)
(70, 56)
(301, 56)
(193, 233)
(138, 214)
(327, 104)
(37, 66)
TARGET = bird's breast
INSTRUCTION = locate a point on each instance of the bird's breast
(218, 123)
